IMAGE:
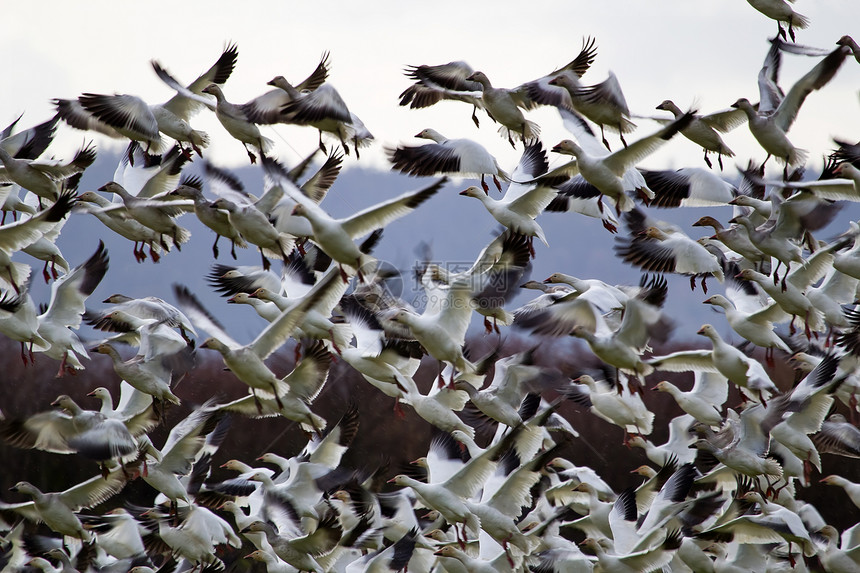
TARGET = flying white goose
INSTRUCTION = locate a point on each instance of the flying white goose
(773, 118)
(705, 130)
(464, 157)
(232, 116)
(613, 174)
(130, 116)
(44, 178)
(267, 108)
(66, 308)
(246, 362)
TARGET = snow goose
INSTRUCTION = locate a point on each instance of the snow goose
(335, 237)
(66, 309)
(792, 430)
(837, 555)
(303, 383)
(197, 537)
(325, 110)
(450, 497)
(58, 510)
(301, 552)
(173, 115)
(19, 321)
(661, 248)
(158, 215)
(464, 157)
(775, 523)
(576, 195)
(735, 237)
(246, 362)
(851, 489)
(621, 408)
(266, 108)
(649, 559)
(44, 178)
(15, 236)
(148, 376)
(769, 124)
(774, 240)
(838, 436)
(496, 269)
(740, 444)
(162, 469)
(781, 11)
(602, 103)
(705, 130)
(622, 348)
(211, 216)
(29, 143)
(70, 429)
(704, 400)
(755, 326)
(503, 106)
(723, 358)
(612, 174)
(254, 226)
(151, 307)
(230, 115)
(318, 322)
(116, 221)
(521, 204)
(688, 187)
(442, 82)
(678, 445)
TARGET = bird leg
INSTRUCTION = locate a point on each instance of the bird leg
(720, 160)
(487, 327)
(496, 326)
(768, 356)
(298, 351)
(266, 264)
(54, 272)
(607, 224)
(621, 135)
(398, 411)
(322, 145)
(232, 248)
(781, 32)
(475, 116)
(277, 398)
(484, 185)
(45, 273)
(333, 343)
(791, 35)
(496, 181)
(507, 551)
(530, 243)
(693, 282)
(251, 156)
(708, 161)
(215, 245)
(175, 240)
(152, 254)
(704, 285)
(605, 142)
(791, 328)
(257, 401)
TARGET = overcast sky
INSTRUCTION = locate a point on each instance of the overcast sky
(706, 52)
